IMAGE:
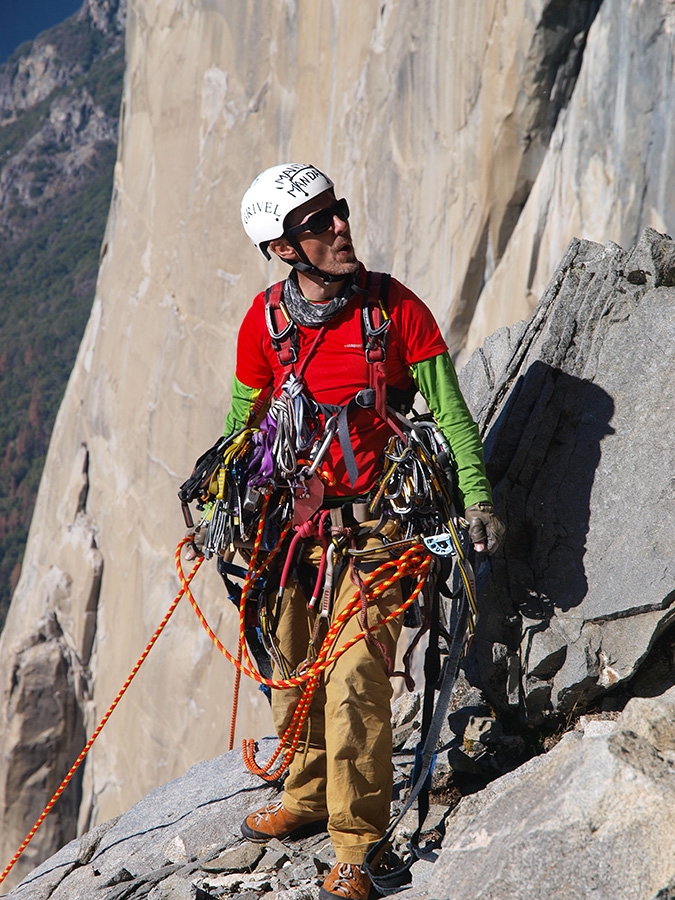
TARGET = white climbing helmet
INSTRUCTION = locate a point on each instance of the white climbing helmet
(273, 194)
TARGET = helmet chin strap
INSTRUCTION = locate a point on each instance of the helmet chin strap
(309, 269)
(305, 266)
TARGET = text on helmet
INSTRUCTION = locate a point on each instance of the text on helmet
(295, 179)
(268, 207)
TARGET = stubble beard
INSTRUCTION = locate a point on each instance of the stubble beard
(344, 264)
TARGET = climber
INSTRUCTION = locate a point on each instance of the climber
(323, 345)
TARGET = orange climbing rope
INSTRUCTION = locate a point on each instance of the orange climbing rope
(252, 574)
(184, 587)
(414, 561)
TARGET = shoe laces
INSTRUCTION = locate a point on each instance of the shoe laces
(267, 812)
(347, 875)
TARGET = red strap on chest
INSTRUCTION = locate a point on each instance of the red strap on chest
(376, 321)
(282, 329)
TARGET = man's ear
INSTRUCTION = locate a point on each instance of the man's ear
(283, 249)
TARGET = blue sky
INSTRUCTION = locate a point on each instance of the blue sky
(22, 20)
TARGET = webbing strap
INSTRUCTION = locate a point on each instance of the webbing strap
(425, 755)
(375, 319)
(346, 444)
(283, 330)
(376, 322)
(375, 325)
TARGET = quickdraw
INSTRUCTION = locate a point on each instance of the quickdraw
(417, 483)
(413, 490)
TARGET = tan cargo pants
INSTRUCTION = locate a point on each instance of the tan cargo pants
(343, 768)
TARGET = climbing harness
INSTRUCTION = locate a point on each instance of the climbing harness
(285, 452)
(414, 561)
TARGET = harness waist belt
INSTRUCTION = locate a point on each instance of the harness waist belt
(351, 512)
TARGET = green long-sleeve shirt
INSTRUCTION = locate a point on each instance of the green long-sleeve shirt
(436, 380)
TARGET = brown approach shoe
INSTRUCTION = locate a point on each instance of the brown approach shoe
(345, 882)
(273, 821)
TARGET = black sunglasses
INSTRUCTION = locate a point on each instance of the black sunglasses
(322, 219)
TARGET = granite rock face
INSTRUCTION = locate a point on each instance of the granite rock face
(44, 730)
(578, 407)
(606, 172)
(47, 689)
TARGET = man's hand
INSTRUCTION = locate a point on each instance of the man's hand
(196, 548)
(485, 529)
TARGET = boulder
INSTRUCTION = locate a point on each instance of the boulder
(577, 409)
(593, 818)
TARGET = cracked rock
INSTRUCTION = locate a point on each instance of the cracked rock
(578, 439)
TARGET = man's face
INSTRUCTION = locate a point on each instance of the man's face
(332, 251)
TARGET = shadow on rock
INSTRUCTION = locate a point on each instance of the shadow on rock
(542, 455)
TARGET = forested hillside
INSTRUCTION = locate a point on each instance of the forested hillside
(59, 109)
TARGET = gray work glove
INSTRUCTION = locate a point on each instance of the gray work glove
(485, 529)
(196, 548)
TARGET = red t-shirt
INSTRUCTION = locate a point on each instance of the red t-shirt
(338, 370)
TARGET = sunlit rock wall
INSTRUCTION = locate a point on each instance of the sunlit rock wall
(607, 170)
(434, 118)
